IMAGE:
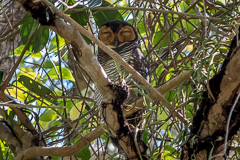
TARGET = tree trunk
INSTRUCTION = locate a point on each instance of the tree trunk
(218, 118)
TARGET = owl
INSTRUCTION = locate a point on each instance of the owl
(123, 39)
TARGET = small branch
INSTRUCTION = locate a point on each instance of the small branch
(155, 94)
(144, 10)
(62, 151)
(5, 83)
(76, 97)
(10, 36)
(7, 135)
(21, 116)
(71, 150)
(171, 84)
(30, 106)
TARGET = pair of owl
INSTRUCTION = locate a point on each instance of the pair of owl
(123, 38)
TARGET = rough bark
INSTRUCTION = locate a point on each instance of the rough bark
(112, 98)
(9, 37)
(211, 134)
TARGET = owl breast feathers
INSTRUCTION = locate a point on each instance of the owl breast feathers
(122, 38)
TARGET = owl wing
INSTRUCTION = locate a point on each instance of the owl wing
(139, 62)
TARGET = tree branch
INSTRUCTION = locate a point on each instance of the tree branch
(71, 150)
(70, 11)
(7, 135)
(155, 94)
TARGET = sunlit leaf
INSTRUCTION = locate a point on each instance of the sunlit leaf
(76, 110)
(162, 116)
(48, 115)
(38, 88)
(18, 51)
(18, 93)
(66, 74)
(53, 45)
(157, 37)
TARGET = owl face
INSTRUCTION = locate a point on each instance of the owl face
(116, 33)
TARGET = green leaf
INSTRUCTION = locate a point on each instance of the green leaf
(157, 38)
(145, 137)
(84, 154)
(18, 51)
(27, 26)
(220, 3)
(82, 19)
(48, 115)
(162, 116)
(75, 111)
(48, 64)
(53, 46)
(184, 6)
(66, 74)
(40, 39)
(1, 153)
(102, 17)
(189, 27)
(38, 89)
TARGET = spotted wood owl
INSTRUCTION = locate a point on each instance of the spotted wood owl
(123, 38)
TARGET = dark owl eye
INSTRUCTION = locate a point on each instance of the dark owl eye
(106, 33)
(125, 33)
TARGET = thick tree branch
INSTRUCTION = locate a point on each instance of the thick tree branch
(155, 94)
(210, 132)
(21, 116)
(71, 150)
(7, 135)
(86, 58)
(62, 151)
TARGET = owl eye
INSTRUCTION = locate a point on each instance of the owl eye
(106, 34)
(126, 33)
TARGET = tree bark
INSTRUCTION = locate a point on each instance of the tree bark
(218, 118)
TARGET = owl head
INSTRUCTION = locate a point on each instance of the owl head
(116, 33)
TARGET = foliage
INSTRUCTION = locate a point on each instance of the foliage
(172, 42)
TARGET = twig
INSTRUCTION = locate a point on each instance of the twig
(5, 83)
(144, 9)
(155, 94)
(30, 106)
(71, 150)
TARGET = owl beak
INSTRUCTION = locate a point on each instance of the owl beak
(116, 43)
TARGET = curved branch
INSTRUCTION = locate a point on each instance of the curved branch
(71, 150)
(145, 9)
(155, 94)
(62, 151)
(7, 135)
